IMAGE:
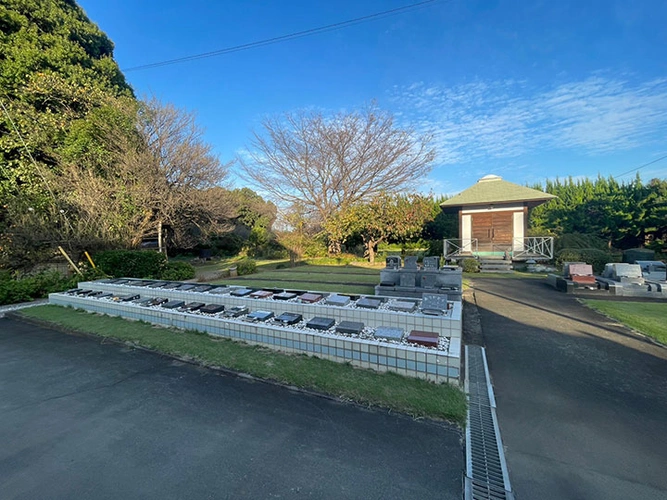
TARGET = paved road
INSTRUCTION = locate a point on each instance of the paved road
(582, 403)
(80, 419)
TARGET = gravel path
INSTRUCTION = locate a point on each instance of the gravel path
(22, 305)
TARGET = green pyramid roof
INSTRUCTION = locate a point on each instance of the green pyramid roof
(493, 189)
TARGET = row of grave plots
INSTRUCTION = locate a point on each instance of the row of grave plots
(414, 337)
(620, 279)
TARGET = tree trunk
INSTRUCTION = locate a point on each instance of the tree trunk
(334, 247)
(370, 251)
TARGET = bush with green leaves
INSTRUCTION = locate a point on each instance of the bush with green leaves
(178, 271)
(246, 266)
(35, 286)
(470, 265)
(593, 256)
(131, 263)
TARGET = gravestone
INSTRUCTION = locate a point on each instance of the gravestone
(106, 295)
(389, 333)
(426, 339)
(157, 284)
(171, 286)
(310, 298)
(318, 323)
(337, 300)
(432, 263)
(84, 292)
(219, 290)
(144, 302)
(350, 327)
(236, 311)
(241, 292)
(261, 294)
(212, 308)
(126, 298)
(428, 280)
(369, 303)
(186, 287)
(434, 305)
(259, 316)
(203, 288)
(289, 318)
(393, 262)
(410, 262)
(193, 306)
(173, 304)
(284, 296)
(407, 280)
(402, 306)
(157, 301)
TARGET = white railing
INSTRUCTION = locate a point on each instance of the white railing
(535, 247)
(454, 248)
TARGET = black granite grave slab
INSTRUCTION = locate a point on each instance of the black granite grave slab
(393, 262)
(143, 283)
(212, 308)
(241, 292)
(350, 327)
(106, 295)
(157, 301)
(432, 263)
(284, 296)
(171, 286)
(83, 292)
(261, 294)
(109, 281)
(173, 304)
(389, 333)
(73, 291)
(337, 300)
(259, 316)
(193, 306)
(410, 262)
(407, 280)
(157, 284)
(126, 298)
(402, 306)
(187, 287)
(236, 311)
(219, 290)
(310, 298)
(95, 293)
(427, 339)
(428, 280)
(121, 282)
(143, 302)
(202, 288)
(318, 323)
(289, 318)
(369, 303)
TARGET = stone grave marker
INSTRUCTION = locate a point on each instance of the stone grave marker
(157, 284)
(236, 311)
(427, 339)
(429, 280)
(202, 288)
(157, 301)
(241, 292)
(259, 316)
(106, 295)
(186, 287)
(407, 280)
(126, 298)
(389, 333)
(434, 304)
(261, 294)
(173, 304)
(83, 292)
(402, 306)
(171, 286)
(318, 323)
(289, 318)
(193, 306)
(369, 303)
(144, 302)
(432, 263)
(212, 309)
(310, 298)
(393, 262)
(284, 296)
(219, 290)
(350, 327)
(410, 262)
(337, 300)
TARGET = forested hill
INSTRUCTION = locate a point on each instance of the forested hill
(55, 67)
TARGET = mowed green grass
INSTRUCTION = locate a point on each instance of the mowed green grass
(649, 318)
(343, 279)
(415, 397)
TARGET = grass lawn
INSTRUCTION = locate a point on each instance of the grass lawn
(388, 390)
(332, 278)
(648, 318)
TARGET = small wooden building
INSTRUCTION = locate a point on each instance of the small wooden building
(493, 220)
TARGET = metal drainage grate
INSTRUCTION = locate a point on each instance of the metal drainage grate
(486, 469)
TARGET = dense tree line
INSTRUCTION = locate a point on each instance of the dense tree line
(625, 215)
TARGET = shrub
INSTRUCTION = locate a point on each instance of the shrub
(246, 266)
(131, 263)
(470, 266)
(593, 256)
(579, 240)
(177, 271)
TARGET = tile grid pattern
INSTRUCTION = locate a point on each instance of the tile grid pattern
(436, 366)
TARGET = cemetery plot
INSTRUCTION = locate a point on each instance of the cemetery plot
(318, 323)
(259, 316)
(212, 309)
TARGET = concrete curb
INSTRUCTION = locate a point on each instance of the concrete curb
(220, 370)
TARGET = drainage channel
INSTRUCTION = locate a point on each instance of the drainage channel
(486, 469)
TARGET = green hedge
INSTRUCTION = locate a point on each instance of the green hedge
(246, 266)
(131, 263)
(35, 286)
(470, 265)
(593, 256)
(178, 271)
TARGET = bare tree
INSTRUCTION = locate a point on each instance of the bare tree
(330, 163)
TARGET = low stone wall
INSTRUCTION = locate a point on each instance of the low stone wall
(437, 365)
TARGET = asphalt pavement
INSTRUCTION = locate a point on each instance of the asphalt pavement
(581, 400)
(83, 419)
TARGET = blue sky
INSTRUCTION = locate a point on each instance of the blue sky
(527, 90)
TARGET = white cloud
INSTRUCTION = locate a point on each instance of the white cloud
(506, 119)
